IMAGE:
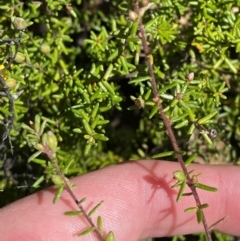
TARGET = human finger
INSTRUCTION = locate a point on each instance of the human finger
(138, 202)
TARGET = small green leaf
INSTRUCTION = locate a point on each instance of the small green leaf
(205, 187)
(102, 122)
(205, 205)
(167, 96)
(86, 97)
(83, 115)
(177, 184)
(100, 225)
(43, 126)
(73, 213)
(82, 200)
(77, 130)
(190, 172)
(108, 87)
(87, 149)
(70, 9)
(222, 88)
(187, 194)
(87, 127)
(191, 209)
(147, 94)
(67, 165)
(199, 215)
(174, 103)
(207, 138)
(207, 118)
(138, 80)
(190, 159)
(33, 156)
(136, 59)
(112, 56)
(191, 115)
(98, 95)
(178, 117)
(39, 180)
(95, 110)
(181, 190)
(181, 124)
(231, 66)
(100, 137)
(191, 129)
(153, 112)
(103, 87)
(218, 63)
(108, 72)
(94, 123)
(40, 162)
(116, 98)
(28, 128)
(95, 209)
(163, 154)
(58, 193)
(86, 231)
(110, 237)
(124, 64)
(134, 28)
(44, 139)
(184, 105)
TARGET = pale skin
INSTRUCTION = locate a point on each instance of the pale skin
(138, 202)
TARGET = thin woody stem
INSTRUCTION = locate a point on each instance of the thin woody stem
(167, 122)
(71, 193)
(6, 90)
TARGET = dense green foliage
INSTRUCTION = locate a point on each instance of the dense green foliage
(80, 73)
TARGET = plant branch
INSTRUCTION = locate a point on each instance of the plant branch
(11, 58)
(71, 193)
(167, 122)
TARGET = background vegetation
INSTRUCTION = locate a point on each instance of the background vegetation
(77, 69)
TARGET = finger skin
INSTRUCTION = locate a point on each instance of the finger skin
(138, 202)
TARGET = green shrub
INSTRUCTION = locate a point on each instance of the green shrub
(77, 71)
